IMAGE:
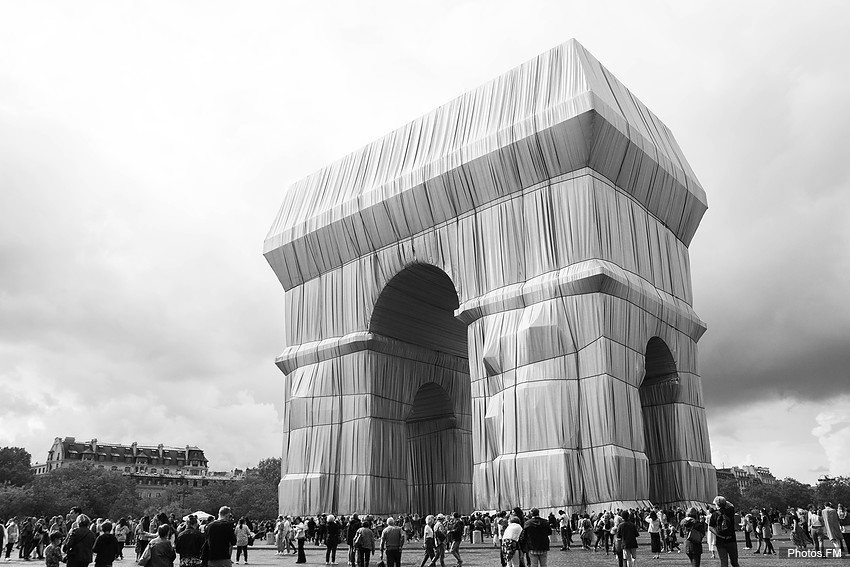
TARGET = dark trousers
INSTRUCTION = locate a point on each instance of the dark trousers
(748, 541)
(728, 553)
(330, 554)
(301, 557)
(363, 555)
(695, 559)
(429, 552)
(393, 558)
(240, 549)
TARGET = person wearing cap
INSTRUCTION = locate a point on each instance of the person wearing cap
(440, 537)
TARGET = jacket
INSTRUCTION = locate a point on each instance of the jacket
(79, 545)
(537, 533)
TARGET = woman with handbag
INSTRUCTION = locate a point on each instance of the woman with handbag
(693, 530)
(364, 543)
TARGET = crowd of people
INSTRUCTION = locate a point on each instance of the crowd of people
(522, 538)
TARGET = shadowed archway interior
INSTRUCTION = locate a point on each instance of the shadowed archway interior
(417, 307)
(658, 392)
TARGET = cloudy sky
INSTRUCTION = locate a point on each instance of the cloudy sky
(145, 149)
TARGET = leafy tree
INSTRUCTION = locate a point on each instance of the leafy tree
(99, 492)
(795, 493)
(16, 501)
(833, 490)
(269, 471)
(729, 489)
(15, 465)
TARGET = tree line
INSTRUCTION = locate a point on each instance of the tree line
(785, 493)
(109, 494)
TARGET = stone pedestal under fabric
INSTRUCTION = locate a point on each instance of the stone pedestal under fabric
(491, 307)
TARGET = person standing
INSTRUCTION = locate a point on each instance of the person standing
(564, 525)
(510, 551)
(160, 551)
(299, 529)
(832, 527)
(53, 552)
(79, 543)
(332, 530)
(12, 533)
(353, 525)
(189, 544)
(220, 539)
(693, 529)
(628, 532)
(106, 547)
(722, 525)
(537, 532)
(243, 534)
(392, 542)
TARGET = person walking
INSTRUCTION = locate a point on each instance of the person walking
(392, 542)
(537, 532)
(455, 537)
(693, 530)
(428, 542)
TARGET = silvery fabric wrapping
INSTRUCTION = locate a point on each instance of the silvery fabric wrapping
(491, 307)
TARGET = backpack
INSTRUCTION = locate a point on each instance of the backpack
(440, 534)
(724, 526)
(695, 535)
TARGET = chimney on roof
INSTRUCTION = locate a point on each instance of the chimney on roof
(70, 440)
(159, 449)
(94, 445)
(187, 454)
(135, 447)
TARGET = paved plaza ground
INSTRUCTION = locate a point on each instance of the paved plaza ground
(484, 555)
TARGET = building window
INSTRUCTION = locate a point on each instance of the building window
(166, 471)
(153, 470)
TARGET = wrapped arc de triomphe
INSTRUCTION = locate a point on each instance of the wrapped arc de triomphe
(491, 307)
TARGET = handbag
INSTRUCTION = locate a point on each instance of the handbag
(356, 541)
(695, 536)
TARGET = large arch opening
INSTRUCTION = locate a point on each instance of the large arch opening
(658, 392)
(416, 311)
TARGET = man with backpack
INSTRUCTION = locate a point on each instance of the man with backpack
(722, 525)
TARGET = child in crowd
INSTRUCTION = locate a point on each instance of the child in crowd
(671, 540)
(53, 552)
(105, 546)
